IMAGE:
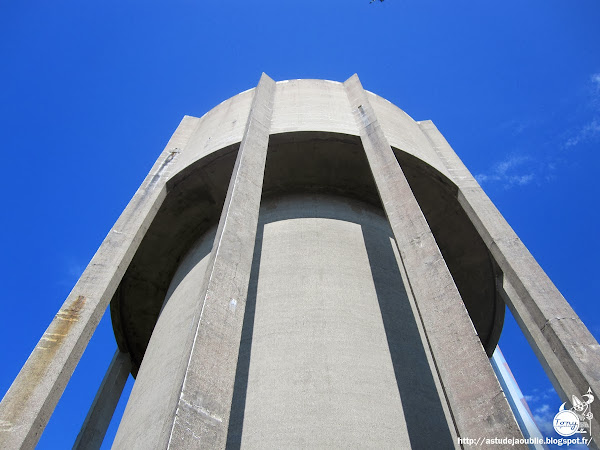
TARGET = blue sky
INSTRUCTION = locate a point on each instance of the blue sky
(92, 91)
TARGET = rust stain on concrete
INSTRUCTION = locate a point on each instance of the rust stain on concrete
(38, 364)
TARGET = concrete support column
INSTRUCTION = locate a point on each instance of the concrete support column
(103, 407)
(31, 399)
(478, 406)
(202, 412)
(565, 347)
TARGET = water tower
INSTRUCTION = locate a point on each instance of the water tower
(304, 266)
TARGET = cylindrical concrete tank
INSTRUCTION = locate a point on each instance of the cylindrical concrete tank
(305, 266)
(331, 354)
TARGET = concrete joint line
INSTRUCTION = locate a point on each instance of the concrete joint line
(557, 319)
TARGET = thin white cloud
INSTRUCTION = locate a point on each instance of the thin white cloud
(539, 396)
(518, 171)
(71, 272)
(543, 416)
(510, 163)
(509, 172)
(543, 411)
(515, 126)
(595, 79)
(590, 130)
(75, 270)
(587, 133)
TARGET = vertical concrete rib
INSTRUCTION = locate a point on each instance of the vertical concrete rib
(202, 415)
(477, 403)
(31, 399)
(565, 347)
(103, 407)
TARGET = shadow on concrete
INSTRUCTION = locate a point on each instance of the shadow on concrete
(240, 388)
(424, 416)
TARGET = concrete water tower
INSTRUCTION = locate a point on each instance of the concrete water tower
(304, 266)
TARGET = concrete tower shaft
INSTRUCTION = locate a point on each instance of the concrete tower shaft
(305, 265)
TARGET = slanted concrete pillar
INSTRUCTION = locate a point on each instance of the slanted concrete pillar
(31, 399)
(565, 347)
(103, 407)
(201, 417)
(477, 403)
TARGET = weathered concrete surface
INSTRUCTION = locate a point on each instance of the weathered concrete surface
(567, 350)
(297, 163)
(402, 132)
(222, 126)
(300, 108)
(193, 205)
(316, 107)
(476, 401)
(103, 407)
(331, 355)
(148, 416)
(28, 404)
(202, 415)
(206, 372)
(305, 106)
(311, 105)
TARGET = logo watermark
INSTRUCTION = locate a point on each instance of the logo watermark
(578, 419)
(574, 425)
